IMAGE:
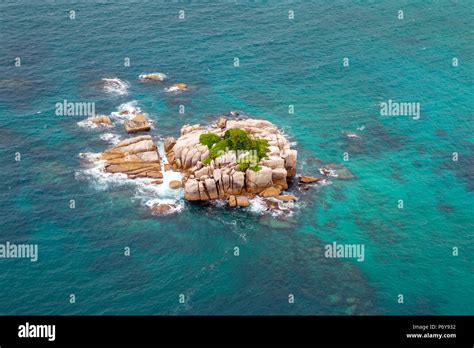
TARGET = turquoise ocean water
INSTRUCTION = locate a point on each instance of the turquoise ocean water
(299, 62)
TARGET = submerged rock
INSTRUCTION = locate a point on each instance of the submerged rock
(163, 208)
(177, 87)
(153, 76)
(100, 120)
(306, 179)
(181, 86)
(336, 170)
(273, 223)
(115, 86)
(96, 121)
(286, 198)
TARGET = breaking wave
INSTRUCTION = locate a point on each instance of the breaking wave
(115, 86)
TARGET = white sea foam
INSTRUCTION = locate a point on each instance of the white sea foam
(177, 88)
(89, 156)
(151, 194)
(87, 124)
(259, 206)
(147, 193)
(328, 172)
(219, 203)
(162, 192)
(177, 207)
(325, 182)
(111, 138)
(115, 86)
(97, 176)
(127, 109)
(172, 89)
(286, 208)
(91, 125)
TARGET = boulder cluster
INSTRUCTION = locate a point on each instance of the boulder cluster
(136, 157)
(221, 178)
(206, 176)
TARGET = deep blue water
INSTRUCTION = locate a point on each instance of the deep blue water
(282, 62)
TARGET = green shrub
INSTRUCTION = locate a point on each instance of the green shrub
(237, 140)
(209, 139)
(243, 166)
(219, 148)
(261, 147)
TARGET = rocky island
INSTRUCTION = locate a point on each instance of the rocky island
(236, 171)
(237, 159)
